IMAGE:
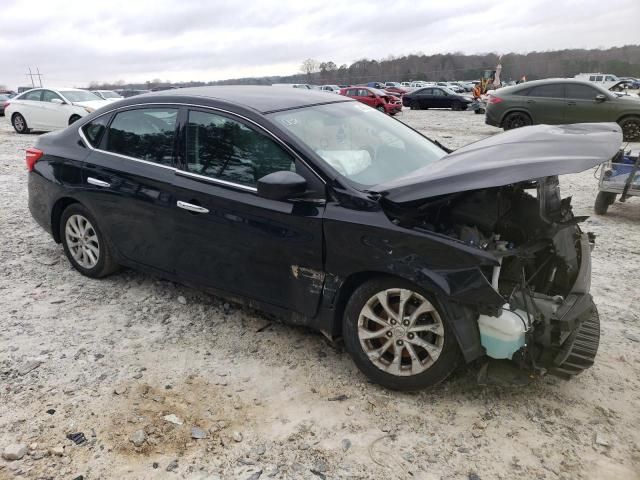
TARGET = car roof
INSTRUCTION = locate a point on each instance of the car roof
(264, 99)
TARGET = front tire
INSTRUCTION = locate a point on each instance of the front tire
(516, 120)
(84, 244)
(630, 128)
(603, 200)
(398, 335)
(456, 106)
(19, 123)
(380, 108)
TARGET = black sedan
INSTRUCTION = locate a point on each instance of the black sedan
(333, 215)
(435, 97)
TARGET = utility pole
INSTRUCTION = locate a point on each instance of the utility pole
(31, 75)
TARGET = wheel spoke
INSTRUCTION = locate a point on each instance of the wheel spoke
(414, 357)
(383, 299)
(424, 307)
(369, 334)
(376, 354)
(405, 295)
(368, 313)
(433, 328)
(91, 256)
(432, 350)
(394, 366)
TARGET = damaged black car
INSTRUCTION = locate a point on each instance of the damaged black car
(332, 215)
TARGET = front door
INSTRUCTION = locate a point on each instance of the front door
(582, 105)
(128, 178)
(231, 239)
(54, 114)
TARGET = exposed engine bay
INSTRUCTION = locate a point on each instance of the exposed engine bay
(539, 246)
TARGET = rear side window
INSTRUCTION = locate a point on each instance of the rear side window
(226, 149)
(523, 91)
(581, 92)
(554, 90)
(146, 134)
(94, 131)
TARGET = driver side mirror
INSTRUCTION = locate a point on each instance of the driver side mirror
(600, 97)
(57, 101)
(281, 185)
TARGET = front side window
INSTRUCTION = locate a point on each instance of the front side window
(226, 149)
(581, 92)
(145, 134)
(352, 92)
(554, 90)
(33, 96)
(359, 144)
(48, 95)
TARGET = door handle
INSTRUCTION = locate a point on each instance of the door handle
(571, 103)
(98, 183)
(530, 101)
(191, 207)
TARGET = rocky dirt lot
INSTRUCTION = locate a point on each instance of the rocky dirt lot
(167, 382)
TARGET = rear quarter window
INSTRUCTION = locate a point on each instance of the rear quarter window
(94, 130)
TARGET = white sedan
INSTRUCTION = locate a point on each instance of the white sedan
(46, 109)
(109, 95)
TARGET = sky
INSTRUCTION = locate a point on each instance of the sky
(76, 42)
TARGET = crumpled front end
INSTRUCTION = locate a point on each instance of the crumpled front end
(547, 320)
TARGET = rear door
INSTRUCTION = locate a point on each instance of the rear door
(547, 103)
(128, 178)
(31, 108)
(231, 239)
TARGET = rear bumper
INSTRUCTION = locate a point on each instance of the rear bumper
(39, 201)
(490, 118)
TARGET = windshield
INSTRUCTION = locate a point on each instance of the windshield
(363, 145)
(79, 96)
(110, 94)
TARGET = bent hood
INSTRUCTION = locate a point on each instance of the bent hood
(514, 156)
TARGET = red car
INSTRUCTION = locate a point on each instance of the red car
(375, 98)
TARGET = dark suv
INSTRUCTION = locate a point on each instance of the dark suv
(560, 101)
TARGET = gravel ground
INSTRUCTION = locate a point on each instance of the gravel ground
(114, 359)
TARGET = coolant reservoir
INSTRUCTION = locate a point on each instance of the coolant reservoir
(504, 335)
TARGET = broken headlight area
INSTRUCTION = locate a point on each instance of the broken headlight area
(548, 321)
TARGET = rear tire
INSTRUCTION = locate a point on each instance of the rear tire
(84, 244)
(630, 128)
(396, 350)
(414, 106)
(516, 120)
(603, 200)
(19, 123)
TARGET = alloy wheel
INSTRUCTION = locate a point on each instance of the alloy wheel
(82, 241)
(517, 120)
(631, 129)
(401, 332)
(18, 123)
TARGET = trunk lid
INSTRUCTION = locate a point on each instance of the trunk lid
(514, 156)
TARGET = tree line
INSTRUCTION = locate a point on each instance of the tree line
(621, 61)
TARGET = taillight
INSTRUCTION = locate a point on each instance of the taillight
(494, 100)
(33, 155)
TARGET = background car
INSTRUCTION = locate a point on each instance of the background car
(435, 97)
(560, 101)
(108, 95)
(4, 101)
(378, 99)
(47, 109)
(131, 92)
(329, 88)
